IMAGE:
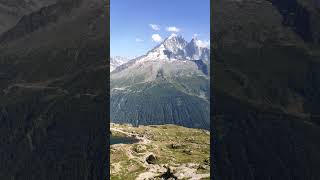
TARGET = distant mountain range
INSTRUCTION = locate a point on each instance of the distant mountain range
(167, 85)
(117, 61)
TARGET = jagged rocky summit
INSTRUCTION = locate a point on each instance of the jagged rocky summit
(167, 85)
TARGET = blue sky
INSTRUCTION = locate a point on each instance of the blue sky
(137, 25)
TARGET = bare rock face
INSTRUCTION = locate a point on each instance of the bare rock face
(12, 11)
(35, 20)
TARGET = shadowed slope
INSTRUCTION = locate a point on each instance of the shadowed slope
(53, 94)
(266, 85)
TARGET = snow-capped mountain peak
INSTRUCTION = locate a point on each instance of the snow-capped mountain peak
(174, 42)
(199, 43)
(173, 35)
(202, 44)
(117, 61)
(175, 47)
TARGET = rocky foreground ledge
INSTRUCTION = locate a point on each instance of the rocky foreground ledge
(163, 152)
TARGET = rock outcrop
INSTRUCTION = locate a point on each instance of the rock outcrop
(159, 160)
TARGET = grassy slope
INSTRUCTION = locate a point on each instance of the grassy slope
(161, 136)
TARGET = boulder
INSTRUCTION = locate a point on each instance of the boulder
(176, 146)
(139, 148)
(151, 159)
(169, 175)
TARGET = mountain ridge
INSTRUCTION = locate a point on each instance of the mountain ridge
(174, 47)
(12, 11)
(164, 81)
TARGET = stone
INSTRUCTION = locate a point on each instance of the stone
(203, 167)
(188, 151)
(151, 159)
(207, 162)
(140, 148)
(176, 146)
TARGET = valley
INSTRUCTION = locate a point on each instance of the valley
(168, 85)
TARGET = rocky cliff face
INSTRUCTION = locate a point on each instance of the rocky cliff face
(12, 11)
(52, 107)
(36, 20)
